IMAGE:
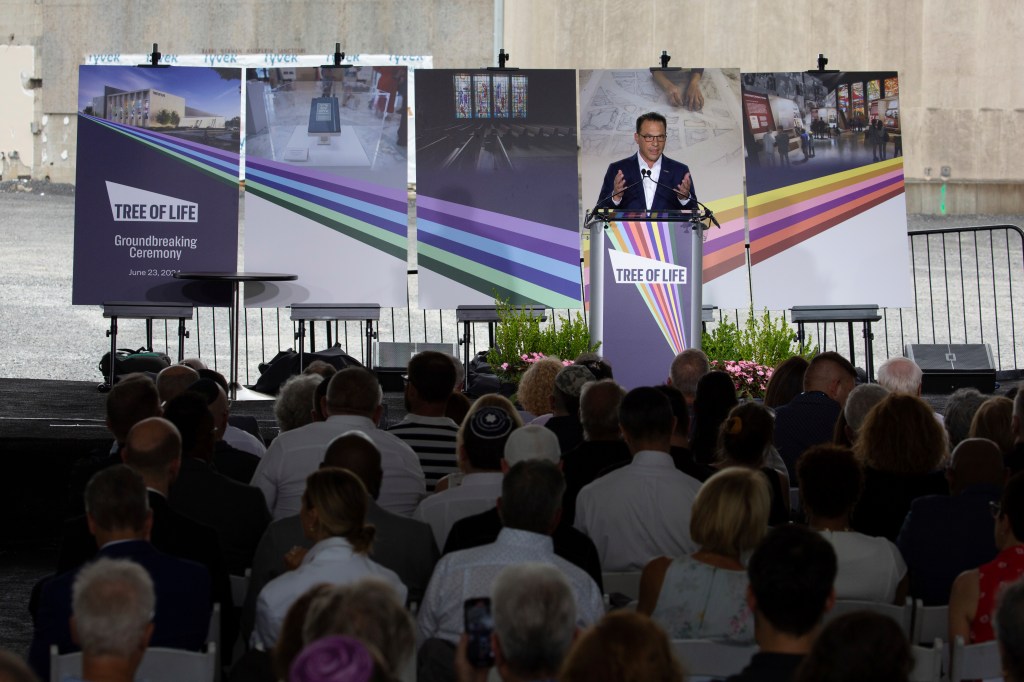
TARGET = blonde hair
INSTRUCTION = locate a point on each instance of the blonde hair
(537, 385)
(340, 500)
(730, 512)
(994, 420)
(901, 435)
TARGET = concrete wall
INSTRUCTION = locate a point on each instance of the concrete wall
(959, 62)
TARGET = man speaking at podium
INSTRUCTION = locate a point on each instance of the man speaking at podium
(649, 180)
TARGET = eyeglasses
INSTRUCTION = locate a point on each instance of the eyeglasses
(995, 509)
(654, 138)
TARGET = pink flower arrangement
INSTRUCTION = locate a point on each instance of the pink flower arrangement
(749, 378)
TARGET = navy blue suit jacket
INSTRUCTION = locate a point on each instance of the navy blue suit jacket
(672, 173)
(182, 617)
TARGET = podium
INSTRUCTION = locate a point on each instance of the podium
(645, 286)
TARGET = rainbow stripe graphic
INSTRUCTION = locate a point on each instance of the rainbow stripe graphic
(217, 163)
(496, 254)
(725, 249)
(659, 241)
(374, 215)
(784, 217)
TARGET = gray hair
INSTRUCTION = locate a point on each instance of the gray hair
(959, 413)
(534, 618)
(900, 375)
(860, 401)
(294, 404)
(1010, 630)
(686, 370)
(599, 409)
(112, 601)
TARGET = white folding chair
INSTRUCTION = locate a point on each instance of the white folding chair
(239, 586)
(622, 582)
(975, 661)
(158, 665)
(927, 662)
(710, 658)
(929, 622)
(901, 614)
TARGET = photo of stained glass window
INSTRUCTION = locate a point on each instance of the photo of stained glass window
(518, 96)
(857, 95)
(463, 96)
(500, 89)
(892, 87)
(874, 90)
(844, 98)
(482, 96)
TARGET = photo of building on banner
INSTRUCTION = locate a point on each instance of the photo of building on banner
(824, 162)
(157, 182)
(325, 183)
(497, 188)
(645, 291)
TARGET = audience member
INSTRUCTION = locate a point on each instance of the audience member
(786, 381)
(174, 380)
(791, 575)
(975, 593)
(325, 370)
(534, 613)
(704, 595)
(743, 440)
(858, 646)
(118, 514)
(194, 363)
(1015, 458)
(686, 370)
(425, 428)
(959, 413)
(535, 389)
(13, 669)
(353, 402)
(320, 400)
(869, 569)
(290, 642)
(810, 418)
(565, 405)
(112, 606)
(682, 455)
(901, 447)
(530, 503)
(334, 518)
(237, 512)
(240, 432)
(229, 460)
(493, 400)
(1010, 631)
(716, 395)
(860, 401)
(602, 447)
(481, 444)
(642, 510)
(900, 375)
(457, 407)
(338, 659)
(962, 519)
(994, 420)
(294, 404)
(623, 647)
(598, 366)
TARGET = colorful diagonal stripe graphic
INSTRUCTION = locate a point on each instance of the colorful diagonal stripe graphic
(784, 217)
(657, 241)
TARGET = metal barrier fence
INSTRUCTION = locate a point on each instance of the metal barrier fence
(966, 284)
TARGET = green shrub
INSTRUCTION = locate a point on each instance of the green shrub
(519, 337)
(763, 339)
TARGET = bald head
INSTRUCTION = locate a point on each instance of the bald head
(975, 461)
(353, 390)
(174, 380)
(355, 451)
(153, 448)
(599, 409)
(900, 375)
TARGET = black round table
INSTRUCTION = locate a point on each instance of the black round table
(236, 278)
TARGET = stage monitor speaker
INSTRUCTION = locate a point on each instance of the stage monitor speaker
(949, 366)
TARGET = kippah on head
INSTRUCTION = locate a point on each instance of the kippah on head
(490, 423)
(570, 379)
(337, 658)
(532, 442)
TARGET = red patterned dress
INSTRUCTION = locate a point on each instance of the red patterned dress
(1007, 567)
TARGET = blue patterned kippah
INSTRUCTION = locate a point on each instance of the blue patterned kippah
(490, 423)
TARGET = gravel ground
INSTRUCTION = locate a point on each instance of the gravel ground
(45, 337)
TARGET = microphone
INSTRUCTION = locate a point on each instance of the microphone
(623, 193)
(647, 173)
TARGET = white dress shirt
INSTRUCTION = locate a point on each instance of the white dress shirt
(329, 561)
(477, 493)
(294, 455)
(242, 440)
(639, 512)
(471, 572)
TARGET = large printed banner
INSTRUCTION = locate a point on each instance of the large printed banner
(157, 181)
(497, 196)
(702, 108)
(825, 196)
(325, 181)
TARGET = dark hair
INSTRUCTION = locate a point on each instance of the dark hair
(214, 376)
(131, 400)
(598, 366)
(830, 480)
(353, 390)
(457, 407)
(716, 395)
(432, 374)
(679, 409)
(786, 382)
(650, 116)
(857, 646)
(318, 395)
(531, 493)
(745, 434)
(116, 499)
(791, 576)
(191, 415)
(1011, 505)
(817, 368)
(645, 413)
(1010, 629)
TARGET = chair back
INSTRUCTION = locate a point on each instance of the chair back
(901, 614)
(975, 661)
(622, 582)
(929, 622)
(927, 662)
(158, 665)
(710, 658)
